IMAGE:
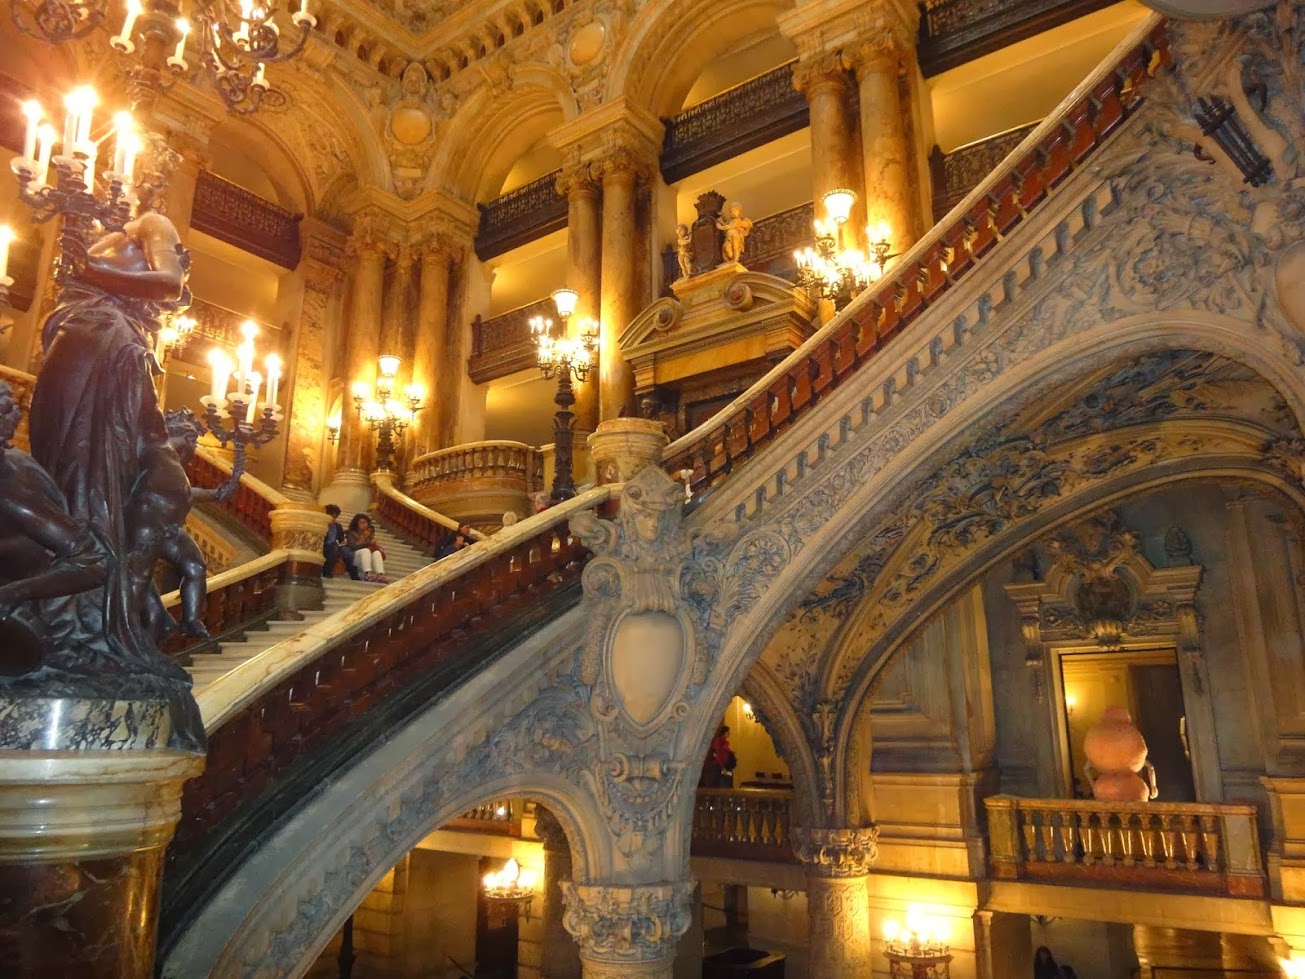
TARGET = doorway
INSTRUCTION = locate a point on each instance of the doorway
(1148, 685)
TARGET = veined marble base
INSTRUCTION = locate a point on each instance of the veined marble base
(88, 803)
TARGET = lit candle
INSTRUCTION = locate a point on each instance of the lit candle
(245, 353)
(221, 367)
(183, 31)
(302, 16)
(89, 149)
(70, 104)
(133, 11)
(129, 156)
(44, 145)
(273, 363)
(259, 80)
(32, 112)
(6, 239)
(89, 100)
(255, 379)
(123, 129)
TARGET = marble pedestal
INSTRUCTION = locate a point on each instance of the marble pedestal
(89, 798)
(623, 447)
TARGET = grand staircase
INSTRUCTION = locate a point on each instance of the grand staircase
(401, 559)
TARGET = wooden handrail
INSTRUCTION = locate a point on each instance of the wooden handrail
(1057, 148)
(234, 600)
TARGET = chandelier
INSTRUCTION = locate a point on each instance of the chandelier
(510, 889)
(385, 414)
(831, 271)
(918, 949)
(235, 41)
(232, 411)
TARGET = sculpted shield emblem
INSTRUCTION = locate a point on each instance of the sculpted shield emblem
(648, 660)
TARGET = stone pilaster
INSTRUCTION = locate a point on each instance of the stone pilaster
(584, 232)
(88, 802)
(628, 932)
(430, 353)
(561, 955)
(306, 388)
(837, 863)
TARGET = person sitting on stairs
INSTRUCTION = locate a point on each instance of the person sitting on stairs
(334, 549)
(368, 556)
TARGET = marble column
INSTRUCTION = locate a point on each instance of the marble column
(561, 955)
(628, 931)
(584, 238)
(362, 347)
(89, 799)
(827, 85)
(179, 202)
(619, 173)
(431, 366)
(306, 383)
(892, 198)
(398, 307)
(837, 863)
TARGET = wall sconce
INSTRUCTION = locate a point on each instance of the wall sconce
(748, 712)
(918, 949)
(509, 890)
(1070, 703)
(333, 429)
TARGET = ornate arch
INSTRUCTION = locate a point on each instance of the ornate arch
(264, 147)
(494, 127)
(667, 45)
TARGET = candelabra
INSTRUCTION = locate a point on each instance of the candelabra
(85, 210)
(509, 890)
(833, 272)
(235, 40)
(232, 412)
(385, 414)
(564, 357)
(7, 238)
(918, 949)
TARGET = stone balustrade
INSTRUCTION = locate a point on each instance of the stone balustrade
(1200, 847)
(747, 824)
(479, 481)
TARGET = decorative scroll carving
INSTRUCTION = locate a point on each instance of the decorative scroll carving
(501, 344)
(838, 852)
(953, 32)
(624, 925)
(520, 216)
(744, 117)
(240, 217)
(957, 173)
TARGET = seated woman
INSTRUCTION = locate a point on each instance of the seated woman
(368, 557)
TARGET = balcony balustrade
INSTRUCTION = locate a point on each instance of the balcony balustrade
(520, 216)
(953, 32)
(478, 482)
(502, 817)
(743, 824)
(1177, 846)
(957, 173)
(501, 344)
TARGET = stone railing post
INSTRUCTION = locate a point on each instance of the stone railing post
(299, 528)
(1003, 836)
(837, 863)
(86, 813)
(628, 932)
(623, 447)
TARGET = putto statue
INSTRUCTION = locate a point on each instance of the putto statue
(104, 492)
(736, 228)
(684, 250)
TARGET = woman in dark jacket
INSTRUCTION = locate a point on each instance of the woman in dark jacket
(367, 553)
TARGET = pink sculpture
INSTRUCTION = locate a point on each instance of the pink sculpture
(1116, 752)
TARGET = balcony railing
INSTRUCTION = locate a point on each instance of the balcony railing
(744, 117)
(221, 326)
(479, 481)
(501, 817)
(743, 824)
(520, 216)
(501, 344)
(240, 217)
(953, 32)
(957, 173)
(1179, 846)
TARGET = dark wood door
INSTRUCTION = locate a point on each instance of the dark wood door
(1158, 712)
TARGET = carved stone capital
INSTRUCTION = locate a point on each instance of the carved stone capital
(837, 852)
(627, 925)
(881, 55)
(370, 236)
(822, 73)
(621, 162)
(578, 180)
